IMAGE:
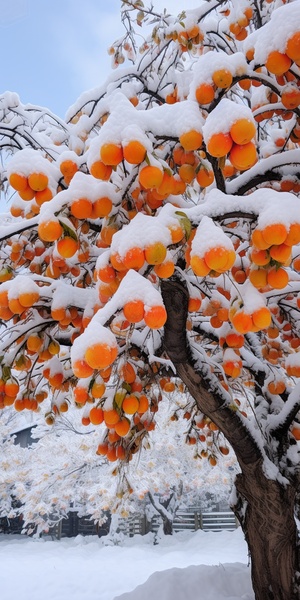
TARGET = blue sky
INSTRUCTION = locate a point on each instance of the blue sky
(53, 50)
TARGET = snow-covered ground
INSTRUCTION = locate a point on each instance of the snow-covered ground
(206, 565)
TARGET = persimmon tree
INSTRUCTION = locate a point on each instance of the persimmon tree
(153, 242)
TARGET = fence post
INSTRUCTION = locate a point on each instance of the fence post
(200, 519)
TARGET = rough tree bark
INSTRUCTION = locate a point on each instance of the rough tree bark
(265, 507)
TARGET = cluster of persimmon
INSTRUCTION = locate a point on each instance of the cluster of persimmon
(216, 260)
(187, 38)
(11, 394)
(237, 144)
(38, 187)
(147, 255)
(130, 406)
(238, 26)
(156, 182)
(271, 252)
(217, 80)
(18, 303)
(35, 186)
(205, 435)
(278, 63)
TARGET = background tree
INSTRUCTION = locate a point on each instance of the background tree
(156, 233)
(61, 472)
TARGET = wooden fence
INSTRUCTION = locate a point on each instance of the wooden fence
(190, 519)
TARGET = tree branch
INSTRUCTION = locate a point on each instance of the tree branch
(210, 401)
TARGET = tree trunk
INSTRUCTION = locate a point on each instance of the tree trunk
(167, 526)
(270, 530)
(265, 507)
(162, 509)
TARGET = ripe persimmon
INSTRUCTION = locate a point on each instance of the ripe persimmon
(50, 231)
(244, 156)
(100, 171)
(276, 387)
(281, 252)
(107, 233)
(67, 247)
(232, 368)
(278, 63)
(130, 404)
(111, 453)
(100, 355)
(155, 316)
(117, 262)
(219, 144)
(38, 181)
(81, 208)
(290, 96)
(242, 322)
(11, 388)
(219, 258)
(134, 311)
(68, 168)
(143, 404)
(111, 417)
(134, 258)
(15, 306)
(18, 181)
(260, 257)
(43, 196)
(28, 299)
(134, 152)
(34, 342)
(96, 415)
(98, 389)
(101, 207)
(111, 154)
(234, 340)
(177, 233)
(150, 177)
(205, 93)
(274, 234)
(258, 277)
(102, 449)
(191, 140)
(155, 253)
(81, 369)
(277, 278)
(258, 240)
(222, 78)
(187, 172)
(165, 269)
(194, 304)
(127, 373)
(205, 177)
(199, 266)
(122, 428)
(106, 274)
(292, 48)
(262, 318)
(242, 131)
(27, 193)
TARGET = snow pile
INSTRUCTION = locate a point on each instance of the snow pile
(222, 581)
